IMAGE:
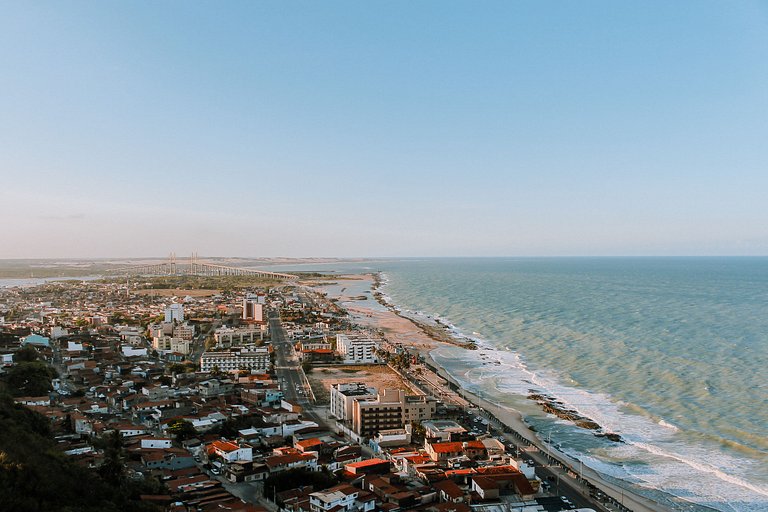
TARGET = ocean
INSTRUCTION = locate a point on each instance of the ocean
(669, 353)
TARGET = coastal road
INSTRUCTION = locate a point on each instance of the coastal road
(289, 373)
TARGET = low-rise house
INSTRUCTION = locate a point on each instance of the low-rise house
(486, 488)
(167, 458)
(368, 467)
(156, 442)
(441, 452)
(215, 387)
(246, 472)
(230, 452)
(342, 497)
(277, 463)
(128, 430)
(449, 491)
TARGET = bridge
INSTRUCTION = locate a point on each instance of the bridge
(196, 267)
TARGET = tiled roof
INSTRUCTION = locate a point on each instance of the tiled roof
(447, 447)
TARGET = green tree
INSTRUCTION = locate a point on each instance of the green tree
(30, 379)
(307, 366)
(177, 368)
(27, 354)
(182, 429)
(112, 470)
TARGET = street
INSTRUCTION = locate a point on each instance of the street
(289, 373)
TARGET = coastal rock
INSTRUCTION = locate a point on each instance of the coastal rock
(588, 424)
(557, 408)
(616, 438)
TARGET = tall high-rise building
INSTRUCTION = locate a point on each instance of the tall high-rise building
(174, 312)
(252, 310)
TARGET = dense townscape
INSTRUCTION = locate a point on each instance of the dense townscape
(213, 398)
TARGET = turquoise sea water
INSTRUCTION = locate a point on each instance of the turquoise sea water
(671, 353)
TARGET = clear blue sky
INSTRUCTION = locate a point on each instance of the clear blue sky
(383, 128)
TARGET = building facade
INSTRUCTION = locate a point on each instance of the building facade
(344, 395)
(357, 349)
(254, 359)
(174, 312)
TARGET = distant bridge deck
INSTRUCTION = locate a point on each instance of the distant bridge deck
(198, 269)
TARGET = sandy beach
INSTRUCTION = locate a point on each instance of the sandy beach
(407, 333)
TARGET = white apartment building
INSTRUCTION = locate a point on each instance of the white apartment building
(357, 348)
(344, 395)
(239, 335)
(174, 312)
(232, 360)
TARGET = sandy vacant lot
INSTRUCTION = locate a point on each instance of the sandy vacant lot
(377, 376)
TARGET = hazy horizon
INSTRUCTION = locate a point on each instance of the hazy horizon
(383, 129)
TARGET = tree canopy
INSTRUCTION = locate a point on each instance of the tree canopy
(29, 379)
(35, 475)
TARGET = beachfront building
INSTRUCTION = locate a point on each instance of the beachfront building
(344, 395)
(392, 409)
(385, 412)
(418, 408)
(443, 430)
(254, 359)
(357, 348)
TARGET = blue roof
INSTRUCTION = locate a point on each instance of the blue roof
(35, 339)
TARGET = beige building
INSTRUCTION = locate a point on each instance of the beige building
(344, 395)
(226, 336)
(170, 344)
(392, 409)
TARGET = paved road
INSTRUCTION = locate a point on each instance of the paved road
(198, 347)
(289, 372)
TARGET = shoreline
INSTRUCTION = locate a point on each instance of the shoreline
(512, 419)
(506, 416)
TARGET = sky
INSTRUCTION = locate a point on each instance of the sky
(369, 129)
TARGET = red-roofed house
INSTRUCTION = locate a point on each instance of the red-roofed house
(449, 491)
(230, 452)
(487, 488)
(367, 467)
(278, 463)
(313, 444)
(441, 452)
